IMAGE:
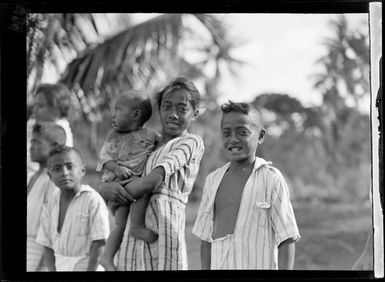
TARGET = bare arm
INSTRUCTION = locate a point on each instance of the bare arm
(146, 184)
(49, 259)
(286, 253)
(205, 255)
(96, 250)
(113, 191)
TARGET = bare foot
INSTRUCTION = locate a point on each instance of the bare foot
(142, 233)
(107, 264)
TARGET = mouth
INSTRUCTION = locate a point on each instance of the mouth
(235, 149)
(172, 124)
(65, 181)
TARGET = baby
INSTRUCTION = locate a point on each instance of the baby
(124, 155)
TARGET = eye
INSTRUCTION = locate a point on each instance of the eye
(243, 132)
(182, 109)
(225, 133)
(165, 106)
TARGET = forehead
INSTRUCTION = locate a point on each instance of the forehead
(236, 119)
(122, 101)
(178, 96)
(64, 158)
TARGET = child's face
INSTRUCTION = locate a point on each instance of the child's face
(121, 115)
(240, 136)
(66, 171)
(43, 111)
(176, 113)
(39, 149)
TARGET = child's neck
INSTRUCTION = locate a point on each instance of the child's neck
(42, 166)
(129, 130)
(69, 194)
(243, 165)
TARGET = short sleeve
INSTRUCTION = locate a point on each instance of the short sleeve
(44, 236)
(282, 214)
(106, 154)
(99, 224)
(186, 151)
(203, 226)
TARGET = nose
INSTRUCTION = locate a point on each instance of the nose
(64, 171)
(233, 138)
(173, 114)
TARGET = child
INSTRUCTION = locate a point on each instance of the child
(124, 155)
(52, 104)
(74, 223)
(44, 137)
(245, 215)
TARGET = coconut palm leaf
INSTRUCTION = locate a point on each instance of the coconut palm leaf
(144, 55)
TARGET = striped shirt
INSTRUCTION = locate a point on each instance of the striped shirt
(165, 213)
(42, 190)
(86, 220)
(265, 219)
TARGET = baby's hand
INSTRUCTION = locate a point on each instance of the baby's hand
(122, 172)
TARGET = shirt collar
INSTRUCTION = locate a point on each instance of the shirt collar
(259, 162)
(83, 188)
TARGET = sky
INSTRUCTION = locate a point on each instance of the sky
(281, 50)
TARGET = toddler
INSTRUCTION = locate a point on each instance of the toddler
(124, 155)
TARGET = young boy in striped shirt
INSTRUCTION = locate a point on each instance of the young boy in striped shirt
(245, 219)
(74, 223)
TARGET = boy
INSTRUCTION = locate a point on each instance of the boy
(245, 215)
(124, 155)
(74, 223)
(44, 137)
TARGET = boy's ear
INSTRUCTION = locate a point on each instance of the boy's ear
(196, 114)
(137, 114)
(261, 136)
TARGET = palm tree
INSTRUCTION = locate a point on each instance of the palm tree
(343, 82)
(142, 55)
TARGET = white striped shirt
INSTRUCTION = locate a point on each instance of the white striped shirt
(165, 213)
(265, 219)
(86, 220)
(42, 190)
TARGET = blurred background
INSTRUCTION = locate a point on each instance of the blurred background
(309, 73)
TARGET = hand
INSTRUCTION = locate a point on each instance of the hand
(122, 172)
(113, 191)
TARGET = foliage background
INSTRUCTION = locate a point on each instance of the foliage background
(323, 151)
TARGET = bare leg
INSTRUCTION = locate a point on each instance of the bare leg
(114, 239)
(137, 227)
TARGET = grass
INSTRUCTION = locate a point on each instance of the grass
(333, 234)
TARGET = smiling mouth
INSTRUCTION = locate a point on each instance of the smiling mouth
(235, 149)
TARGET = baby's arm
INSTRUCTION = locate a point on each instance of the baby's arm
(96, 250)
(49, 259)
(205, 255)
(121, 172)
(145, 184)
(286, 253)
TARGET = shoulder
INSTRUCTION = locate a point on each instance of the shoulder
(216, 174)
(90, 194)
(191, 140)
